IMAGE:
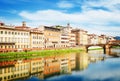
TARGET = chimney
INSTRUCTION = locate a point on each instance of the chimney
(2, 24)
(24, 24)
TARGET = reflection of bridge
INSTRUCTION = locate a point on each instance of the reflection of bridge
(106, 47)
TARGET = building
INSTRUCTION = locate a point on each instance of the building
(68, 38)
(72, 39)
(65, 37)
(102, 39)
(81, 36)
(52, 37)
(36, 39)
(65, 40)
(12, 39)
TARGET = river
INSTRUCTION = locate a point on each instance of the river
(94, 66)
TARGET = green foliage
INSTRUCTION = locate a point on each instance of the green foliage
(35, 54)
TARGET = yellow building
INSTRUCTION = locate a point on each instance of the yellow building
(52, 37)
(81, 36)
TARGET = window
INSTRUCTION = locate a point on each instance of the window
(1, 32)
(9, 46)
(5, 32)
(12, 33)
(1, 39)
(1, 46)
(0, 71)
(15, 33)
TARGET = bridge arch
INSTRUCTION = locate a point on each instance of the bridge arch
(100, 45)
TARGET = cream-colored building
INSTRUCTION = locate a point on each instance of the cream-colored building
(65, 37)
(92, 39)
(36, 39)
(12, 39)
(72, 39)
(64, 40)
(102, 39)
(81, 36)
(68, 38)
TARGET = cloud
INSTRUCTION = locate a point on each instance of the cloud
(112, 5)
(95, 19)
(65, 4)
(96, 16)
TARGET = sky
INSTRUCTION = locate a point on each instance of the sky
(95, 16)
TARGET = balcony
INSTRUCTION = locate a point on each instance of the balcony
(7, 43)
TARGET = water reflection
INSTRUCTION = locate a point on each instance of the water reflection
(81, 61)
(42, 67)
(115, 51)
(68, 67)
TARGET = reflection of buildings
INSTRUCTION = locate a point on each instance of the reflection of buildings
(64, 65)
(42, 67)
(19, 70)
(39, 75)
(81, 61)
(95, 58)
(37, 65)
(72, 59)
(51, 66)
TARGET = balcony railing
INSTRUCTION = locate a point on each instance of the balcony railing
(7, 43)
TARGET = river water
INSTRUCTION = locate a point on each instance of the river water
(94, 66)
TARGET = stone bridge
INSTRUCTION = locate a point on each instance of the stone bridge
(106, 47)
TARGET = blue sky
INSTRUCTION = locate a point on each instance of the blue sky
(95, 16)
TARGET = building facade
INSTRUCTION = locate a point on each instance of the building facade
(12, 39)
(81, 36)
(36, 39)
(52, 37)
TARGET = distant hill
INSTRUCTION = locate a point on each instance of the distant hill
(117, 37)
